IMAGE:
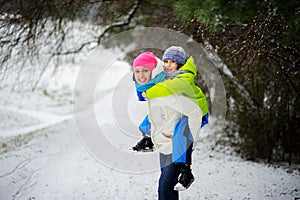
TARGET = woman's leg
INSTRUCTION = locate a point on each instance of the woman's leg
(168, 178)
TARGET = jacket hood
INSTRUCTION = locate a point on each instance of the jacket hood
(190, 65)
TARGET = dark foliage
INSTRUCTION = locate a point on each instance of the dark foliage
(257, 40)
(262, 52)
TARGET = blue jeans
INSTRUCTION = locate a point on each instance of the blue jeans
(168, 178)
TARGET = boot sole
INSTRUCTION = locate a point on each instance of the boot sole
(179, 187)
(142, 151)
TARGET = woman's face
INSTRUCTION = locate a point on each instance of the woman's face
(142, 75)
(170, 66)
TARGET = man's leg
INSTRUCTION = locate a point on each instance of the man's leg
(182, 154)
(182, 143)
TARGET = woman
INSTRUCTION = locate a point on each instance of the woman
(175, 147)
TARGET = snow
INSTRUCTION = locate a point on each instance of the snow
(42, 156)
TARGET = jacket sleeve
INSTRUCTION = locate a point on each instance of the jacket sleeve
(178, 85)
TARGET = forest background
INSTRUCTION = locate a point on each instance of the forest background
(257, 40)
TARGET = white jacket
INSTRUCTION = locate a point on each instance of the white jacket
(165, 112)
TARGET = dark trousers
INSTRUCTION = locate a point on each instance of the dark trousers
(168, 178)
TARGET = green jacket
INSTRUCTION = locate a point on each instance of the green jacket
(181, 84)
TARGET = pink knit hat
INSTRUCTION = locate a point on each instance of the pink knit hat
(146, 59)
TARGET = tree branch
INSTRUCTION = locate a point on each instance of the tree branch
(121, 23)
(227, 72)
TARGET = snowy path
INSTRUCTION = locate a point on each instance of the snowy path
(54, 165)
(50, 162)
(44, 120)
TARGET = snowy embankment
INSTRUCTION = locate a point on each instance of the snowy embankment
(22, 112)
(49, 161)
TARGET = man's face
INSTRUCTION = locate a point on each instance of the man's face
(170, 66)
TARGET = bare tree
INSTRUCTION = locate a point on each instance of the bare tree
(263, 80)
(36, 35)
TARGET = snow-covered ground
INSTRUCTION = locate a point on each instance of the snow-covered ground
(42, 155)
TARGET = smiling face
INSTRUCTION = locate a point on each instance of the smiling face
(170, 66)
(142, 74)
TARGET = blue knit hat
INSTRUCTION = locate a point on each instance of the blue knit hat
(176, 54)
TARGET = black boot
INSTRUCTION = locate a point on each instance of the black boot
(144, 144)
(185, 178)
